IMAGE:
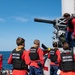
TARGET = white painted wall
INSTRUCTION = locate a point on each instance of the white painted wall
(68, 6)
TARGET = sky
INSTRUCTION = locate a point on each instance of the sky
(17, 20)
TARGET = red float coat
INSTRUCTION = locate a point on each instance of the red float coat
(72, 30)
(68, 72)
(25, 58)
(1, 60)
(41, 59)
(58, 56)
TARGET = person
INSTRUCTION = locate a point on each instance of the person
(19, 58)
(67, 61)
(1, 60)
(66, 16)
(36, 58)
(70, 34)
(53, 56)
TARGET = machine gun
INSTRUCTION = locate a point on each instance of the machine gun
(56, 23)
(60, 28)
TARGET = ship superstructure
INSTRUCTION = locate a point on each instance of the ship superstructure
(68, 6)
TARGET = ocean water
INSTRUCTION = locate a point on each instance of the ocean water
(6, 55)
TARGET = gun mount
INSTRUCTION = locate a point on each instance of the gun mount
(56, 23)
(60, 29)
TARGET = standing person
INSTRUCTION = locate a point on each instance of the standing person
(36, 57)
(19, 59)
(67, 61)
(70, 35)
(54, 56)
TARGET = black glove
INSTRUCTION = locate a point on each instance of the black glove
(39, 64)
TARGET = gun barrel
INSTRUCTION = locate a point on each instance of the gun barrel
(44, 21)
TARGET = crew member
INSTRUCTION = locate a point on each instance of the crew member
(70, 36)
(67, 61)
(54, 56)
(19, 59)
(36, 57)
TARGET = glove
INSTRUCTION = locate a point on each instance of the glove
(39, 64)
(48, 49)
